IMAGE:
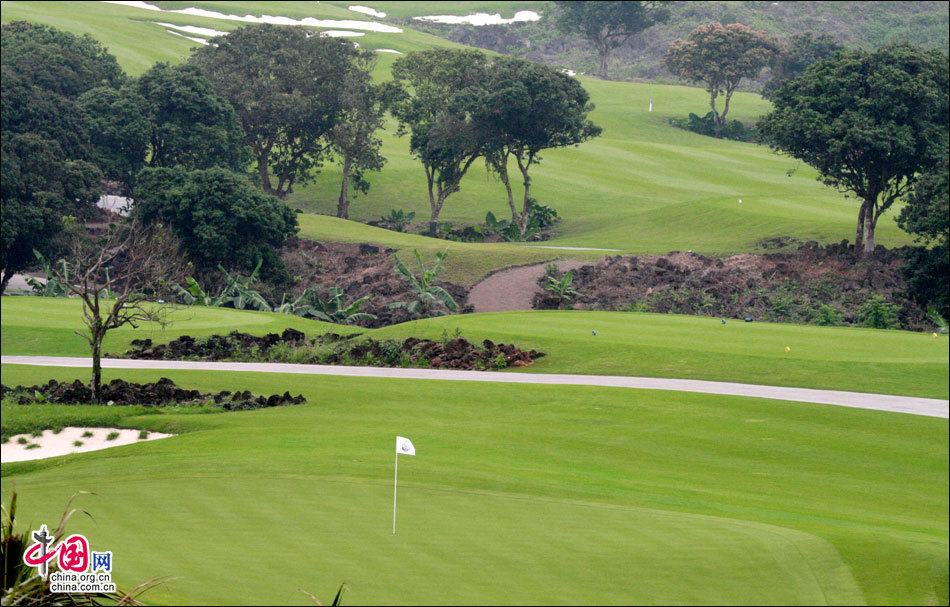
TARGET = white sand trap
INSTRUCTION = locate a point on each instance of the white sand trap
(120, 205)
(53, 445)
(192, 38)
(370, 26)
(341, 34)
(388, 50)
(193, 29)
(481, 18)
(372, 12)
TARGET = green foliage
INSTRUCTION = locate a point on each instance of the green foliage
(220, 218)
(707, 125)
(799, 52)
(430, 299)
(397, 220)
(607, 25)
(878, 313)
(719, 57)
(284, 84)
(561, 286)
(236, 292)
(869, 122)
(828, 316)
(333, 309)
(52, 286)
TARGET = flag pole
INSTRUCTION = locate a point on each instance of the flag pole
(395, 483)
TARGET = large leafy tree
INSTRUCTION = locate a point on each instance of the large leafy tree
(927, 216)
(39, 187)
(353, 139)
(528, 108)
(119, 130)
(284, 84)
(869, 122)
(719, 57)
(440, 87)
(795, 55)
(607, 25)
(219, 217)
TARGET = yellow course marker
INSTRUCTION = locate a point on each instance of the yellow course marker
(787, 349)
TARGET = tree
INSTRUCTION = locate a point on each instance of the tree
(284, 84)
(113, 277)
(796, 55)
(927, 216)
(119, 130)
(219, 217)
(868, 121)
(190, 124)
(439, 86)
(353, 139)
(607, 25)
(39, 187)
(528, 108)
(719, 57)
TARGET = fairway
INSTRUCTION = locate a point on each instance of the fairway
(651, 345)
(518, 494)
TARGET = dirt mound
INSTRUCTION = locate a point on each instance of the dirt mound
(333, 349)
(814, 284)
(358, 269)
(162, 392)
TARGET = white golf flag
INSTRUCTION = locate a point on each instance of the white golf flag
(404, 446)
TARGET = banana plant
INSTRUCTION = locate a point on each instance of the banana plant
(52, 286)
(333, 309)
(562, 287)
(430, 299)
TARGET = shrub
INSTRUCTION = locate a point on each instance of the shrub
(828, 316)
(878, 313)
(397, 220)
(706, 125)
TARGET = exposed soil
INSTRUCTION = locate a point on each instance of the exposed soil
(358, 269)
(512, 289)
(162, 392)
(332, 349)
(806, 285)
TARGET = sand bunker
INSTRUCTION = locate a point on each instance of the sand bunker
(481, 18)
(388, 50)
(274, 19)
(70, 440)
(372, 12)
(192, 38)
(193, 29)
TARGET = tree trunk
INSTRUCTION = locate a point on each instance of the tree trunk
(604, 54)
(713, 95)
(7, 275)
(502, 170)
(870, 222)
(96, 383)
(264, 174)
(725, 108)
(526, 202)
(859, 230)
(343, 204)
(433, 206)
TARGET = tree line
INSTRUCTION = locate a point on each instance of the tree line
(265, 105)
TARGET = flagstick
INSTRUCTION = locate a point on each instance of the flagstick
(395, 484)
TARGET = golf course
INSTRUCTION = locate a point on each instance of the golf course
(517, 493)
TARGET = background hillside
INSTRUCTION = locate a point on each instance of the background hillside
(860, 24)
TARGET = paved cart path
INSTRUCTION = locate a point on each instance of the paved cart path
(913, 405)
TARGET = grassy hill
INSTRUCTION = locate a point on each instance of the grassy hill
(643, 187)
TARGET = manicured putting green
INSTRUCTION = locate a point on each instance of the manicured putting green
(518, 494)
(653, 345)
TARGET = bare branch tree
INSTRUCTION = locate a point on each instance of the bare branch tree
(115, 275)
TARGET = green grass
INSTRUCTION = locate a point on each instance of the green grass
(655, 345)
(408, 9)
(519, 494)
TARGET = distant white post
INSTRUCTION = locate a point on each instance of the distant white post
(404, 446)
(651, 103)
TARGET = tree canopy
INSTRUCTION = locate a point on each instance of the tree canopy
(719, 57)
(527, 108)
(219, 217)
(439, 87)
(868, 121)
(607, 25)
(283, 82)
(800, 51)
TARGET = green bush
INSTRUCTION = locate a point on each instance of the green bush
(828, 316)
(878, 313)
(706, 125)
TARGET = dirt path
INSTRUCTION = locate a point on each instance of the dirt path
(513, 289)
(929, 407)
